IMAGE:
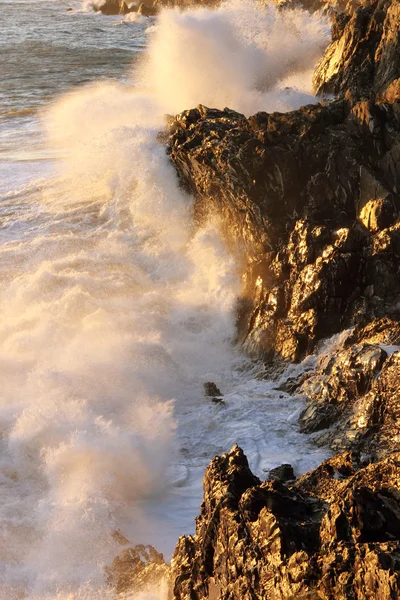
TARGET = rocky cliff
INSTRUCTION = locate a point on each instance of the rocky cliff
(310, 200)
(332, 534)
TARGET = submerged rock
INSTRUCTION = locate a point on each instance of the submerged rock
(334, 534)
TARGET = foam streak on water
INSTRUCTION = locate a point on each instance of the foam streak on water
(115, 311)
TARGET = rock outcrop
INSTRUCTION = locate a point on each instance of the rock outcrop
(112, 7)
(311, 201)
(334, 534)
(364, 55)
(353, 397)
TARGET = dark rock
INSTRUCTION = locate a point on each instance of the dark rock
(282, 473)
(333, 534)
(210, 389)
(310, 201)
(364, 56)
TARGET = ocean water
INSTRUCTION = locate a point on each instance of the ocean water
(115, 310)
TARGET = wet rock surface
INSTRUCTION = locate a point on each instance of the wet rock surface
(353, 397)
(333, 534)
(211, 389)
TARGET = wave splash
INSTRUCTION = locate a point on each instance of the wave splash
(114, 310)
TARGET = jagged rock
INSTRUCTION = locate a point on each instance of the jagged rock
(364, 56)
(282, 473)
(310, 201)
(353, 398)
(210, 389)
(137, 568)
(334, 534)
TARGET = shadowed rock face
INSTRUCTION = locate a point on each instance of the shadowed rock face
(310, 200)
(333, 534)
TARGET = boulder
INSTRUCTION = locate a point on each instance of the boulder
(282, 473)
(210, 389)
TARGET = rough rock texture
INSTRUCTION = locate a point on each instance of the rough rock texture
(364, 56)
(353, 397)
(311, 201)
(136, 569)
(333, 535)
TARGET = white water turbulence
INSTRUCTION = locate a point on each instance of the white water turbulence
(240, 55)
(115, 311)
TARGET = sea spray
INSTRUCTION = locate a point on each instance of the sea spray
(115, 310)
(238, 55)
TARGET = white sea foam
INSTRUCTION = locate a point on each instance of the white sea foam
(92, 4)
(134, 17)
(237, 56)
(115, 312)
